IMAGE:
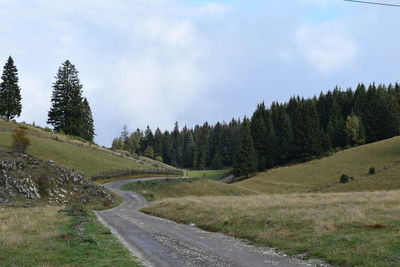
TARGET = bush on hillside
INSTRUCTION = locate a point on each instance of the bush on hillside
(372, 170)
(344, 178)
(20, 141)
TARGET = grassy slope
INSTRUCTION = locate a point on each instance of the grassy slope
(85, 158)
(323, 175)
(28, 235)
(351, 229)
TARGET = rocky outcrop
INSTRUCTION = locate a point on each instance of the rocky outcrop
(22, 176)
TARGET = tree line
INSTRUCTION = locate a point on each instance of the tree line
(70, 112)
(297, 130)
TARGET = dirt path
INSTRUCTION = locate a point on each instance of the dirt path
(159, 242)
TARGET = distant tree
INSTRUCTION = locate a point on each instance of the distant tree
(135, 141)
(117, 143)
(245, 161)
(67, 110)
(158, 143)
(88, 124)
(216, 162)
(260, 136)
(354, 130)
(10, 93)
(283, 132)
(188, 149)
(149, 152)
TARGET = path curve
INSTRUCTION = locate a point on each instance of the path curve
(160, 242)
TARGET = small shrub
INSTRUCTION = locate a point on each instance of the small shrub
(372, 170)
(20, 141)
(344, 178)
(159, 158)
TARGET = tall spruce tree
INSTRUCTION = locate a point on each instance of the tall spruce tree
(246, 158)
(10, 93)
(88, 125)
(260, 136)
(67, 112)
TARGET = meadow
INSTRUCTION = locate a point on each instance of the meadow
(58, 236)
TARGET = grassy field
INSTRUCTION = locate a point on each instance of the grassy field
(323, 175)
(209, 174)
(175, 187)
(358, 229)
(304, 208)
(51, 236)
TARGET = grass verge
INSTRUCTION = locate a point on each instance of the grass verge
(347, 229)
(52, 236)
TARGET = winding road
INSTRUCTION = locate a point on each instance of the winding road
(160, 242)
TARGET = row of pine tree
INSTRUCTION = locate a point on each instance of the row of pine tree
(285, 132)
(70, 113)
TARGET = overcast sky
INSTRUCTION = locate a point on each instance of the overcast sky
(154, 62)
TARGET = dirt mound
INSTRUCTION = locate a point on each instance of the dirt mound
(25, 177)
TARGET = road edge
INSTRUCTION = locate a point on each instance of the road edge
(141, 259)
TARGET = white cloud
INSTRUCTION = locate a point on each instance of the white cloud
(327, 46)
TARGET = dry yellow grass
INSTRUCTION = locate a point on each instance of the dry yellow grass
(343, 228)
(23, 226)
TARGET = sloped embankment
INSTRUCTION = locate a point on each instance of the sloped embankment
(25, 177)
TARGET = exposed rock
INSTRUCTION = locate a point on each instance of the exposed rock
(22, 176)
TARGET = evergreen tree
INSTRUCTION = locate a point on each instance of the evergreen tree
(66, 112)
(10, 93)
(260, 136)
(335, 127)
(176, 146)
(216, 162)
(88, 125)
(283, 131)
(188, 149)
(203, 146)
(158, 143)
(167, 148)
(245, 161)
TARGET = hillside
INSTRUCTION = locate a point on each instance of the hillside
(89, 159)
(323, 175)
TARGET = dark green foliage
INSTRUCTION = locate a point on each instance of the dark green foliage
(371, 170)
(10, 93)
(69, 113)
(246, 158)
(216, 162)
(88, 125)
(344, 179)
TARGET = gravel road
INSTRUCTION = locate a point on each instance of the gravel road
(159, 242)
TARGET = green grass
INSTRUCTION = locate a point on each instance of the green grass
(323, 175)
(209, 174)
(86, 159)
(44, 236)
(176, 187)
